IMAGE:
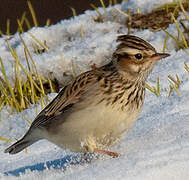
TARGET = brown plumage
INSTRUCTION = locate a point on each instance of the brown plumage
(93, 111)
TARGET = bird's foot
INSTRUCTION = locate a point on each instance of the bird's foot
(109, 153)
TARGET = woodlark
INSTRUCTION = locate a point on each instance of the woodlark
(93, 111)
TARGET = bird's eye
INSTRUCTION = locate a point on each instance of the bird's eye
(138, 56)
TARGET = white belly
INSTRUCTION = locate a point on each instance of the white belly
(96, 126)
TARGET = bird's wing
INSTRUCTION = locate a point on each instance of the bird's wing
(66, 98)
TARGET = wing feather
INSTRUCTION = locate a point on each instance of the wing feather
(66, 98)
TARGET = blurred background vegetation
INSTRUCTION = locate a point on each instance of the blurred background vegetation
(51, 10)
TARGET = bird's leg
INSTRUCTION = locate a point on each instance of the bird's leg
(109, 153)
(85, 157)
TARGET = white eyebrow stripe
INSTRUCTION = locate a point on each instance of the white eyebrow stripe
(133, 51)
(130, 51)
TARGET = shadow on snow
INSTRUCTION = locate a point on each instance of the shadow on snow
(62, 164)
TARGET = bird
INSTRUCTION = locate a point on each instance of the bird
(96, 109)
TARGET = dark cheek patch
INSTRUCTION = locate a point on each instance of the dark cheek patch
(126, 64)
(121, 56)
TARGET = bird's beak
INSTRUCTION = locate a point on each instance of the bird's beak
(159, 56)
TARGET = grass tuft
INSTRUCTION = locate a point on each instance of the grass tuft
(154, 90)
(32, 13)
(40, 47)
(8, 27)
(186, 67)
(5, 139)
(73, 11)
(23, 22)
(174, 85)
(103, 5)
(27, 89)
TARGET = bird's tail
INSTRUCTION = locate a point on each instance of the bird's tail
(19, 145)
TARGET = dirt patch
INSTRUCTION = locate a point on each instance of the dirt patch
(157, 19)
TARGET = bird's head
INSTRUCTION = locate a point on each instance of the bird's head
(135, 57)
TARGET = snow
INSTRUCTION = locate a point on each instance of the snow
(157, 147)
